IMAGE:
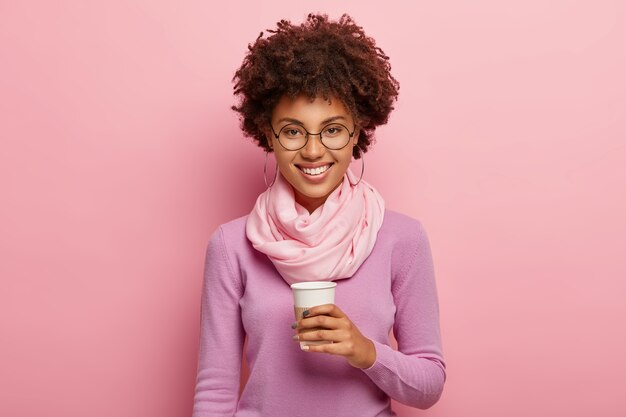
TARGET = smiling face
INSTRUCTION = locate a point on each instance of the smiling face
(313, 171)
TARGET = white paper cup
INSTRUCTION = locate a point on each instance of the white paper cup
(311, 294)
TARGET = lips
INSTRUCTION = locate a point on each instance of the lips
(314, 170)
(315, 173)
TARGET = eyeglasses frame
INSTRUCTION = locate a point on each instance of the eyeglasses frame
(314, 134)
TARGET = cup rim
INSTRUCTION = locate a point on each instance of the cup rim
(313, 285)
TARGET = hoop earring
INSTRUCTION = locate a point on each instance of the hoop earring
(265, 172)
(362, 170)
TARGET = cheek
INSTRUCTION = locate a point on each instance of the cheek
(283, 161)
(345, 157)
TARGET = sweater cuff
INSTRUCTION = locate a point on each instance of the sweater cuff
(418, 384)
(379, 369)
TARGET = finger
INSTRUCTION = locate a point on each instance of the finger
(320, 321)
(322, 334)
(331, 348)
(325, 309)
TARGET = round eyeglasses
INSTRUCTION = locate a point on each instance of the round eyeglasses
(333, 136)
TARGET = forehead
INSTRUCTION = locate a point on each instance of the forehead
(308, 110)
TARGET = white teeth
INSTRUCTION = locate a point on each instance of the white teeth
(315, 171)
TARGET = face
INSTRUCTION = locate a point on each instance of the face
(312, 189)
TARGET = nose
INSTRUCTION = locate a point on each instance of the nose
(313, 148)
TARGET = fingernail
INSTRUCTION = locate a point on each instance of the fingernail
(294, 325)
(295, 337)
(305, 347)
(306, 313)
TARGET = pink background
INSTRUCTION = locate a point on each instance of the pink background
(119, 156)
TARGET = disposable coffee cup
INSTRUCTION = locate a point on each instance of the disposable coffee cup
(311, 294)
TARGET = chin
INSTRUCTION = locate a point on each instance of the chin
(317, 191)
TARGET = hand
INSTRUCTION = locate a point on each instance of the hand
(336, 327)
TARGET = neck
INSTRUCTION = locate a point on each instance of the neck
(312, 203)
(309, 203)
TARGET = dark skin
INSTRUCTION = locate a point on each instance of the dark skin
(347, 340)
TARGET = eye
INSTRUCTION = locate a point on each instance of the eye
(333, 130)
(292, 131)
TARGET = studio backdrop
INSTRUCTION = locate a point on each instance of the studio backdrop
(120, 156)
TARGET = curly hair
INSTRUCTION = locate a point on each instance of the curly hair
(318, 58)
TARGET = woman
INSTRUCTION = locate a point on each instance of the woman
(313, 94)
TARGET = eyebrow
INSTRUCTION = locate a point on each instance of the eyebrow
(298, 122)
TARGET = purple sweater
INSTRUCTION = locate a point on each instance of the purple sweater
(243, 295)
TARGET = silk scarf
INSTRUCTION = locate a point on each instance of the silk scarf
(329, 244)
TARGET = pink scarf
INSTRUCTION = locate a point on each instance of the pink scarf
(329, 244)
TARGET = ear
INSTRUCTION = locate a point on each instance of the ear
(355, 136)
(270, 138)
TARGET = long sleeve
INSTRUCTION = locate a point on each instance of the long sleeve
(415, 373)
(221, 335)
